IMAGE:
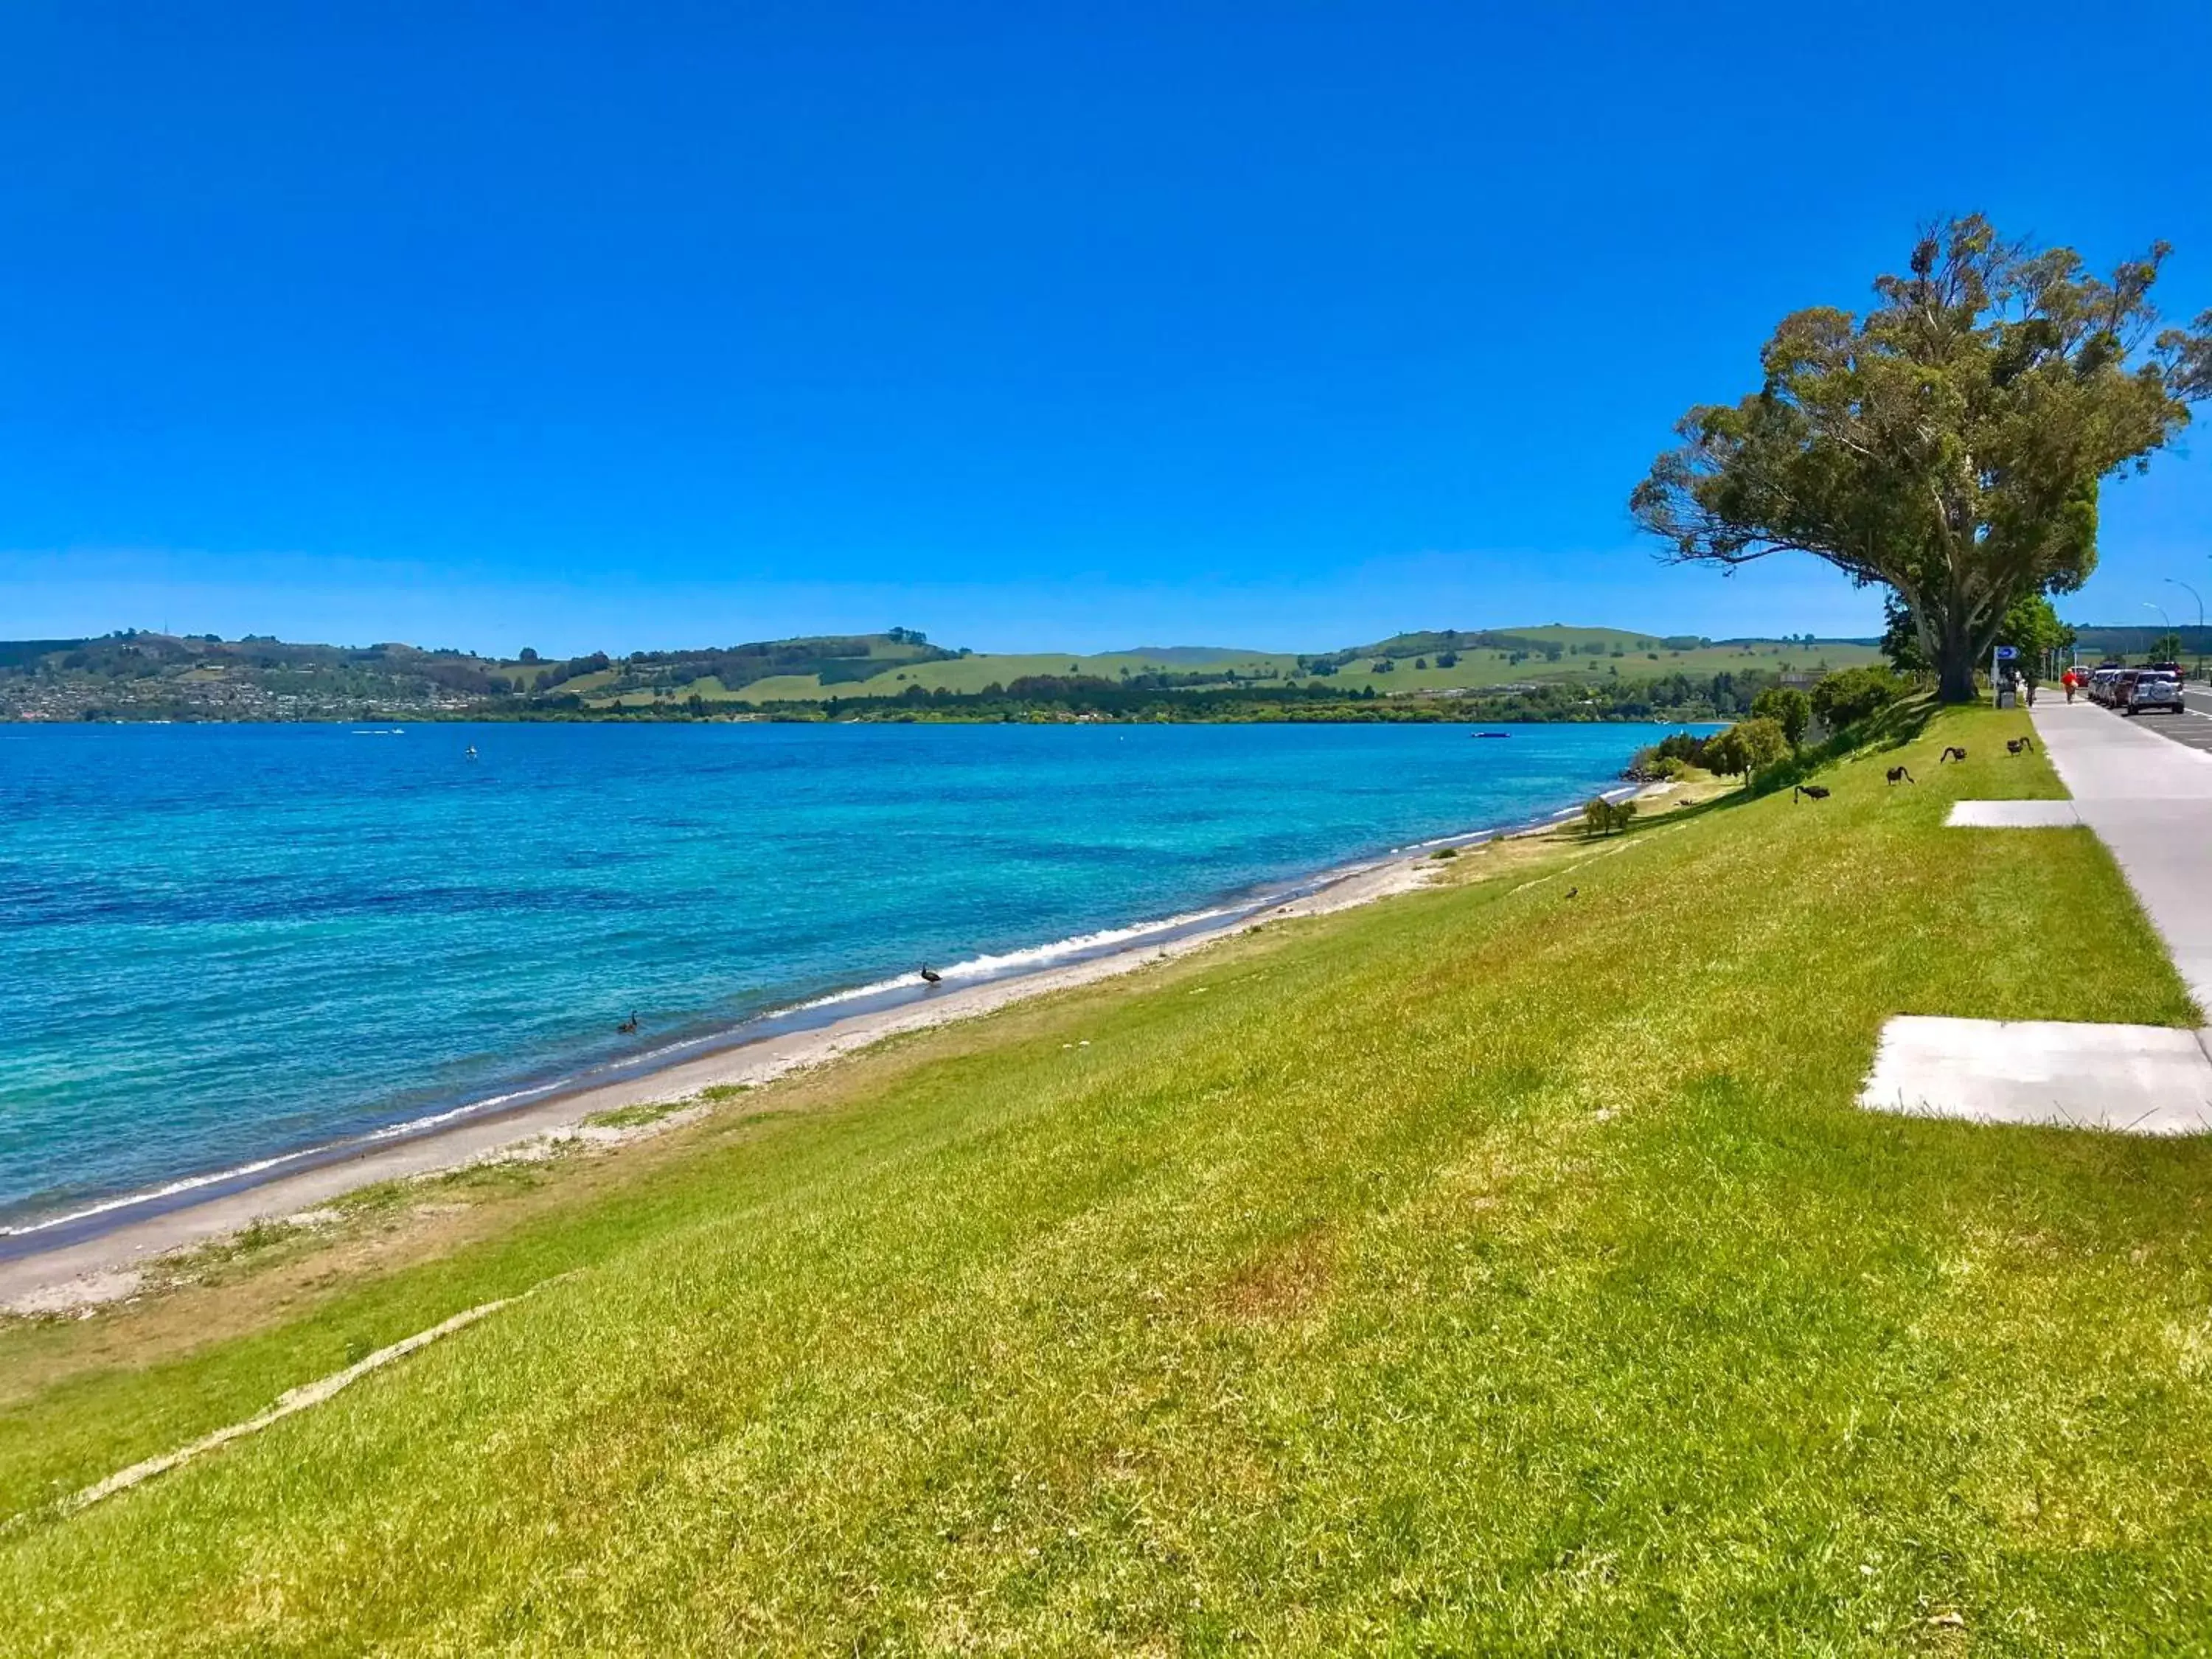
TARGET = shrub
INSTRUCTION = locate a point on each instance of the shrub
(1601, 817)
(1853, 695)
(1724, 754)
(1746, 748)
(1764, 742)
(1652, 765)
(1788, 708)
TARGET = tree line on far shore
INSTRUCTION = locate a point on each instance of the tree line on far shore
(1725, 694)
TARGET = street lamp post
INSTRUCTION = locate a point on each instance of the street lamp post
(2163, 618)
(2199, 598)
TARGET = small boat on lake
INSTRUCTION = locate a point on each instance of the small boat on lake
(1490, 734)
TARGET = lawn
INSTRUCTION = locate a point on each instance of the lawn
(1503, 1268)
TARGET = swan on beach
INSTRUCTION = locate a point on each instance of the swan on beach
(929, 975)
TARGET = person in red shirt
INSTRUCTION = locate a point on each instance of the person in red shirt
(2069, 679)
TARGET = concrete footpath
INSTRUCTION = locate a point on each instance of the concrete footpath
(2149, 799)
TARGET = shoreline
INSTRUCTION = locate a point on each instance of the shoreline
(98, 1253)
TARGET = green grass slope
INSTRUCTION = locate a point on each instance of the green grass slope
(1505, 1267)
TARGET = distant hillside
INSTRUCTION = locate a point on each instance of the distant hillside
(142, 675)
(2130, 640)
(1191, 655)
(137, 675)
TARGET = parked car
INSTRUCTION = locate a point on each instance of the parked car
(2154, 693)
(2100, 685)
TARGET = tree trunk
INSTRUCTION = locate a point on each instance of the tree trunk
(1952, 643)
(1954, 671)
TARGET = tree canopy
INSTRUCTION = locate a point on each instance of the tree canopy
(1900, 637)
(1949, 443)
(1788, 708)
(2031, 626)
(1747, 748)
(1852, 695)
(1601, 817)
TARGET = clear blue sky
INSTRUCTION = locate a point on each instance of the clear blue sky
(630, 326)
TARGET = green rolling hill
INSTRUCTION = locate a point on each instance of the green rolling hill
(1405, 664)
(143, 675)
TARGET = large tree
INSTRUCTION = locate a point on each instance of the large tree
(1900, 637)
(2032, 627)
(1949, 443)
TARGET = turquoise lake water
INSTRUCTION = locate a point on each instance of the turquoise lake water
(219, 944)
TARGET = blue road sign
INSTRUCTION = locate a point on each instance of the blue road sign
(2007, 653)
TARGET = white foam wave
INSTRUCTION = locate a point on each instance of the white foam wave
(261, 1166)
(999, 965)
(490, 1103)
(188, 1183)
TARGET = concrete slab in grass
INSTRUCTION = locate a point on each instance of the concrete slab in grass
(2138, 1079)
(2013, 815)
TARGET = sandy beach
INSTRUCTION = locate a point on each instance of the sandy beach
(80, 1271)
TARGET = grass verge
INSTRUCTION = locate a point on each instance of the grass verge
(1502, 1268)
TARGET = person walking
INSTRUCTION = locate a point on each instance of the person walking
(2069, 680)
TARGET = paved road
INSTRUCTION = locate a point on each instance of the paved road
(2192, 729)
(2147, 794)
